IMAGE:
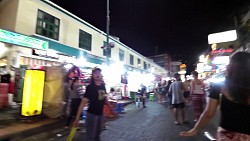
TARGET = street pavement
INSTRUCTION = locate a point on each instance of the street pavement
(153, 123)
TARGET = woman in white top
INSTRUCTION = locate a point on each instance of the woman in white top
(197, 95)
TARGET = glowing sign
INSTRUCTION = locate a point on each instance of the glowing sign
(220, 37)
(207, 68)
(219, 60)
(22, 40)
(33, 92)
(222, 51)
(200, 67)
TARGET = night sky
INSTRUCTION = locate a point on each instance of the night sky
(177, 27)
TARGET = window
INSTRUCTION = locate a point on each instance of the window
(47, 25)
(139, 62)
(85, 40)
(149, 66)
(145, 65)
(121, 55)
(107, 51)
(131, 59)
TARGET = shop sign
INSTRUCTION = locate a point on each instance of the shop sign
(221, 37)
(222, 51)
(67, 59)
(47, 54)
(22, 40)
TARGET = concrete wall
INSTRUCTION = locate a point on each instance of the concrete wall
(8, 14)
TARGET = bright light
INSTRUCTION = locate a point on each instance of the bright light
(1, 45)
(4, 50)
(118, 67)
(208, 68)
(68, 66)
(182, 72)
(52, 53)
(220, 37)
(80, 62)
(216, 80)
(202, 58)
(200, 67)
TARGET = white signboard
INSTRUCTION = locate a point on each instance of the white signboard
(220, 37)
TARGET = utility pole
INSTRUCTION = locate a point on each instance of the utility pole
(107, 30)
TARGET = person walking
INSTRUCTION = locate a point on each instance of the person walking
(233, 96)
(164, 91)
(187, 87)
(178, 101)
(197, 94)
(96, 97)
(159, 92)
(75, 97)
(143, 93)
(169, 94)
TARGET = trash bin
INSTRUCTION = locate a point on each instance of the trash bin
(151, 97)
(132, 95)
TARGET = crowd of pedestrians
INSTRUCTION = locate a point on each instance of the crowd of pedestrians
(232, 96)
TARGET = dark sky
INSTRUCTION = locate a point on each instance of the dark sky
(177, 27)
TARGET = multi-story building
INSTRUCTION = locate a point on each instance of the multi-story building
(39, 32)
(175, 64)
(163, 60)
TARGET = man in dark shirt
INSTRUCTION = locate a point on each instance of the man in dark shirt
(143, 92)
(96, 97)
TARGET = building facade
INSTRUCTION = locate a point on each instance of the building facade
(39, 32)
(163, 60)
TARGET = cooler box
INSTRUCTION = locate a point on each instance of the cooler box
(4, 89)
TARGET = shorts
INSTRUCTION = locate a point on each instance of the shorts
(179, 105)
(186, 94)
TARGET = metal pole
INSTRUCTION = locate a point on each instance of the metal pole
(107, 30)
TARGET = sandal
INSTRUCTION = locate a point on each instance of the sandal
(176, 123)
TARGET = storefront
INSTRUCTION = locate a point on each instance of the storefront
(23, 50)
(137, 77)
(17, 57)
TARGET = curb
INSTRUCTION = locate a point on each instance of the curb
(26, 131)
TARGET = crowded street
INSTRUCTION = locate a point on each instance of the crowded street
(153, 123)
(124, 70)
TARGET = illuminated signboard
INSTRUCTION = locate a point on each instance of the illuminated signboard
(48, 54)
(22, 40)
(222, 51)
(207, 68)
(33, 89)
(221, 37)
(200, 67)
